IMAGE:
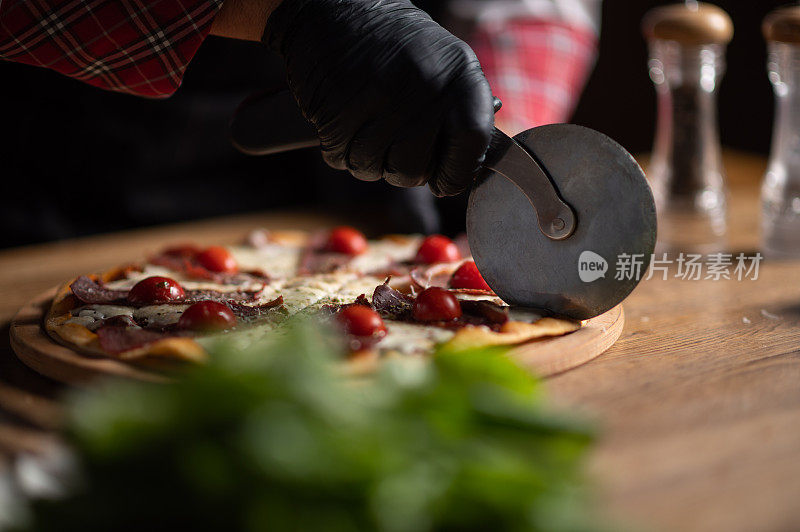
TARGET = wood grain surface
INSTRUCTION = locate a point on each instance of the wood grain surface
(697, 403)
(550, 356)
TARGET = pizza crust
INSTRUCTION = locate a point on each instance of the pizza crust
(180, 348)
(512, 333)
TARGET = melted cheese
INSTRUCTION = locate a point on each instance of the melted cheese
(154, 315)
(91, 315)
(526, 315)
(301, 297)
(383, 253)
(411, 338)
(101, 312)
(159, 315)
(350, 290)
(275, 260)
(481, 297)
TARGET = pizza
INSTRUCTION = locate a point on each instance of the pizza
(400, 295)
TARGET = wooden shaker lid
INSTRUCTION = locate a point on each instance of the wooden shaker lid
(783, 25)
(686, 24)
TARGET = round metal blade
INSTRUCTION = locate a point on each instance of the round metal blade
(601, 262)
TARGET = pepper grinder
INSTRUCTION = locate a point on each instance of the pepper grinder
(780, 192)
(687, 59)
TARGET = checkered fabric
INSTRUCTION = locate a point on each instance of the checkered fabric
(537, 67)
(139, 47)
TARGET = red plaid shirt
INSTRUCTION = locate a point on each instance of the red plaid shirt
(536, 65)
(135, 46)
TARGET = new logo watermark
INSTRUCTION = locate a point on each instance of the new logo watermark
(687, 266)
(591, 266)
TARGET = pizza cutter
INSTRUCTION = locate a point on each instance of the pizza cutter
(560, 218)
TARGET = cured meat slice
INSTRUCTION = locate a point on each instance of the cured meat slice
(91, 292)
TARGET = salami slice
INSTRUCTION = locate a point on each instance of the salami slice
(91, 292)
(117, 339)
(253, 311)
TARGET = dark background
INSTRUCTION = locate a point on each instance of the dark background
(619, 98)
(76, 160)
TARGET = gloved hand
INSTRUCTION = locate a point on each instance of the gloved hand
(392, 94)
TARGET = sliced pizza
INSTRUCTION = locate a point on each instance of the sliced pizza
(398, 295)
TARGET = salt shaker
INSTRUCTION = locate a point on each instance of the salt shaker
(687, 59)
(780, 191)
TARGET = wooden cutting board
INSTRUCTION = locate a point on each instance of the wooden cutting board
(35, 348)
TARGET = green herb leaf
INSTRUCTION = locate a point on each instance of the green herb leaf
(275, 438)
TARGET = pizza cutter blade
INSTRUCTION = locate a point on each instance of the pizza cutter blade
(561, 217)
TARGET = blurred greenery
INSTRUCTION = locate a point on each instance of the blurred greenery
(275, 438)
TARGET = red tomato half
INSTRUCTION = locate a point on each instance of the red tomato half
(217, 259)
(360, 320)
(437, 248)
(154, 290)
(436, 304)
(346, 240)
(468, 276)
(207, 316)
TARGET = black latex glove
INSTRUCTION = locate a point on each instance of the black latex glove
(392, 94)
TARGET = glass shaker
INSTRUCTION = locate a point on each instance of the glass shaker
(687, 59)
(780, 192)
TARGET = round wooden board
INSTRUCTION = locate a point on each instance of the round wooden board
(40, 352)
(550, 356)
(37, 350)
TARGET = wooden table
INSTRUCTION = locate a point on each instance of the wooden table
(698, 402)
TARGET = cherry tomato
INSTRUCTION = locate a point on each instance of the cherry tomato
(187, 251)
(207, 316)
(346, 240)
(437, 248)
(436, 304)
(217, 259)
(155, 290)
(468, 276)
(360, 320)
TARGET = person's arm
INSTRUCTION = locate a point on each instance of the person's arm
(392, 94)
(140, 47)
(243, 19)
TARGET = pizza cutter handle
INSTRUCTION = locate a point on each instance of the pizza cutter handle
(506, 156)
(270, 122)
